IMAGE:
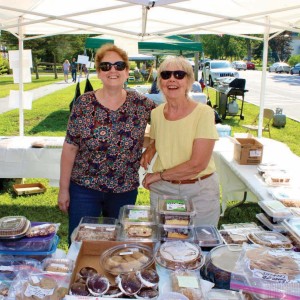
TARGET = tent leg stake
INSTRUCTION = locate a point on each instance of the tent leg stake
(228, 210)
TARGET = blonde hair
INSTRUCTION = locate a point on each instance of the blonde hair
(180, 62)
(106, 48)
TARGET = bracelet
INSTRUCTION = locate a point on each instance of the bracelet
(161, 175)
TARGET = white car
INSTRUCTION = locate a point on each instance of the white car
(218, 70)
(239, 65)
(280, 67)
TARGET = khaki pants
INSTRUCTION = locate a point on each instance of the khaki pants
(204, 194)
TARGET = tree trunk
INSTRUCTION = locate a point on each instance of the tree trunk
(54, 66)
(37, 76)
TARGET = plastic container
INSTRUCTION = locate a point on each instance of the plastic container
(173, 232)
(96, 229)
(172, 296)
(270, 239)
(239, 225)
(137, 215)
(207, 236)
(179, 254)
(126, 258)
(138, 233)
(175, 212)
(293, 225)
(29, 244)
(33, 252)
(278, 227)
(13, 227)
(275, 209)
(219, 264)
(57, 265)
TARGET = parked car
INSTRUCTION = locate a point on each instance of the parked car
(250, 65)
(218, 70)
(295, 69)
(280, 67)
(239, 65)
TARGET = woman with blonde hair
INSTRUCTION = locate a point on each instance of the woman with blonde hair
(183, 133)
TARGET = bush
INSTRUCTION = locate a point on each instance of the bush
(294, 59)
(4, 65)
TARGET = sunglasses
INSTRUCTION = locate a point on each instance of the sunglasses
(118, 65)
(177, 74)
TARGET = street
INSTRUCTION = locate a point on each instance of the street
(282, 90)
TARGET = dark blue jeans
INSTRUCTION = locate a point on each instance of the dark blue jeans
(74, 74)
(86, 202)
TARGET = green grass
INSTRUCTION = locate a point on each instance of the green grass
(49, 116)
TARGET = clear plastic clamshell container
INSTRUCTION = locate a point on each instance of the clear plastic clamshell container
(207, 236)
(96, 229)
(270, 239)
(277, 178)
(175, 212)
(275, 209)
(137, 214)
(175, 232)
(239, 225)
(221, 294)
(278, 227)
(13, 227)
(293, 226)
(288, 196)
(141, 233)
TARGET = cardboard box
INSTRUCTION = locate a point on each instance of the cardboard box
(28, 189)
(248, 151)
(89, 255)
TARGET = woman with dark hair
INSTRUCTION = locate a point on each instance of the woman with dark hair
(103, 145)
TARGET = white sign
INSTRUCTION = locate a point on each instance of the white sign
(83, 59)
(26, 76)
(14, 99)
(14, 59)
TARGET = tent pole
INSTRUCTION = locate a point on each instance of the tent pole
(21, 84)
(263, 77)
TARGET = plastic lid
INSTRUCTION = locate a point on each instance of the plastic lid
(13, 227)
(224, 257)
(274, 208)
(134, 214)
(270, 239)
(207, 236)
(137, 232)
(176, 206)
(126, 258)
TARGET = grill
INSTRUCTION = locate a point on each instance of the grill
(226, 75)
(236, 87)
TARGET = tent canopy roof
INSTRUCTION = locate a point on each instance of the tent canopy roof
(146, 19)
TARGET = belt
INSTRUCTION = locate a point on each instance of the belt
(189, 181)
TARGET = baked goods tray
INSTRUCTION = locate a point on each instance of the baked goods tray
(29, 188)
(38, 253)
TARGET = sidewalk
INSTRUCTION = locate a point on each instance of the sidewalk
(38, 93)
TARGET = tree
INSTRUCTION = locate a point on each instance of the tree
(280, 46)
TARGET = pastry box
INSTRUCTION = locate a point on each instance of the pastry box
(29, 188)
(175, 232)
(29, 244)
(96, 228)
(207, 236)
(175, 212)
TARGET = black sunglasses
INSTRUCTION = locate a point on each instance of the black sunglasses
(106, 66)
(177, 74)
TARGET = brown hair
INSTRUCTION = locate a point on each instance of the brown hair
(181, 63)
(106, 48)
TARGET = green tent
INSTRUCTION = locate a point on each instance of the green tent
(170, 45)
(95, 43)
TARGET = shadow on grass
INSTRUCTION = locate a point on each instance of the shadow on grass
(57, 121)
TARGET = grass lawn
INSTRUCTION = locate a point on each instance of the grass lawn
(49, 116)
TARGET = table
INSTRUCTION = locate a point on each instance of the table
(236, 179)
(19, 160)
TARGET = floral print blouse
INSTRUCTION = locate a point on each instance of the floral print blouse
(109, 142)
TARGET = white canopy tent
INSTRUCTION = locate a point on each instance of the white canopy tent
(145, 20)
